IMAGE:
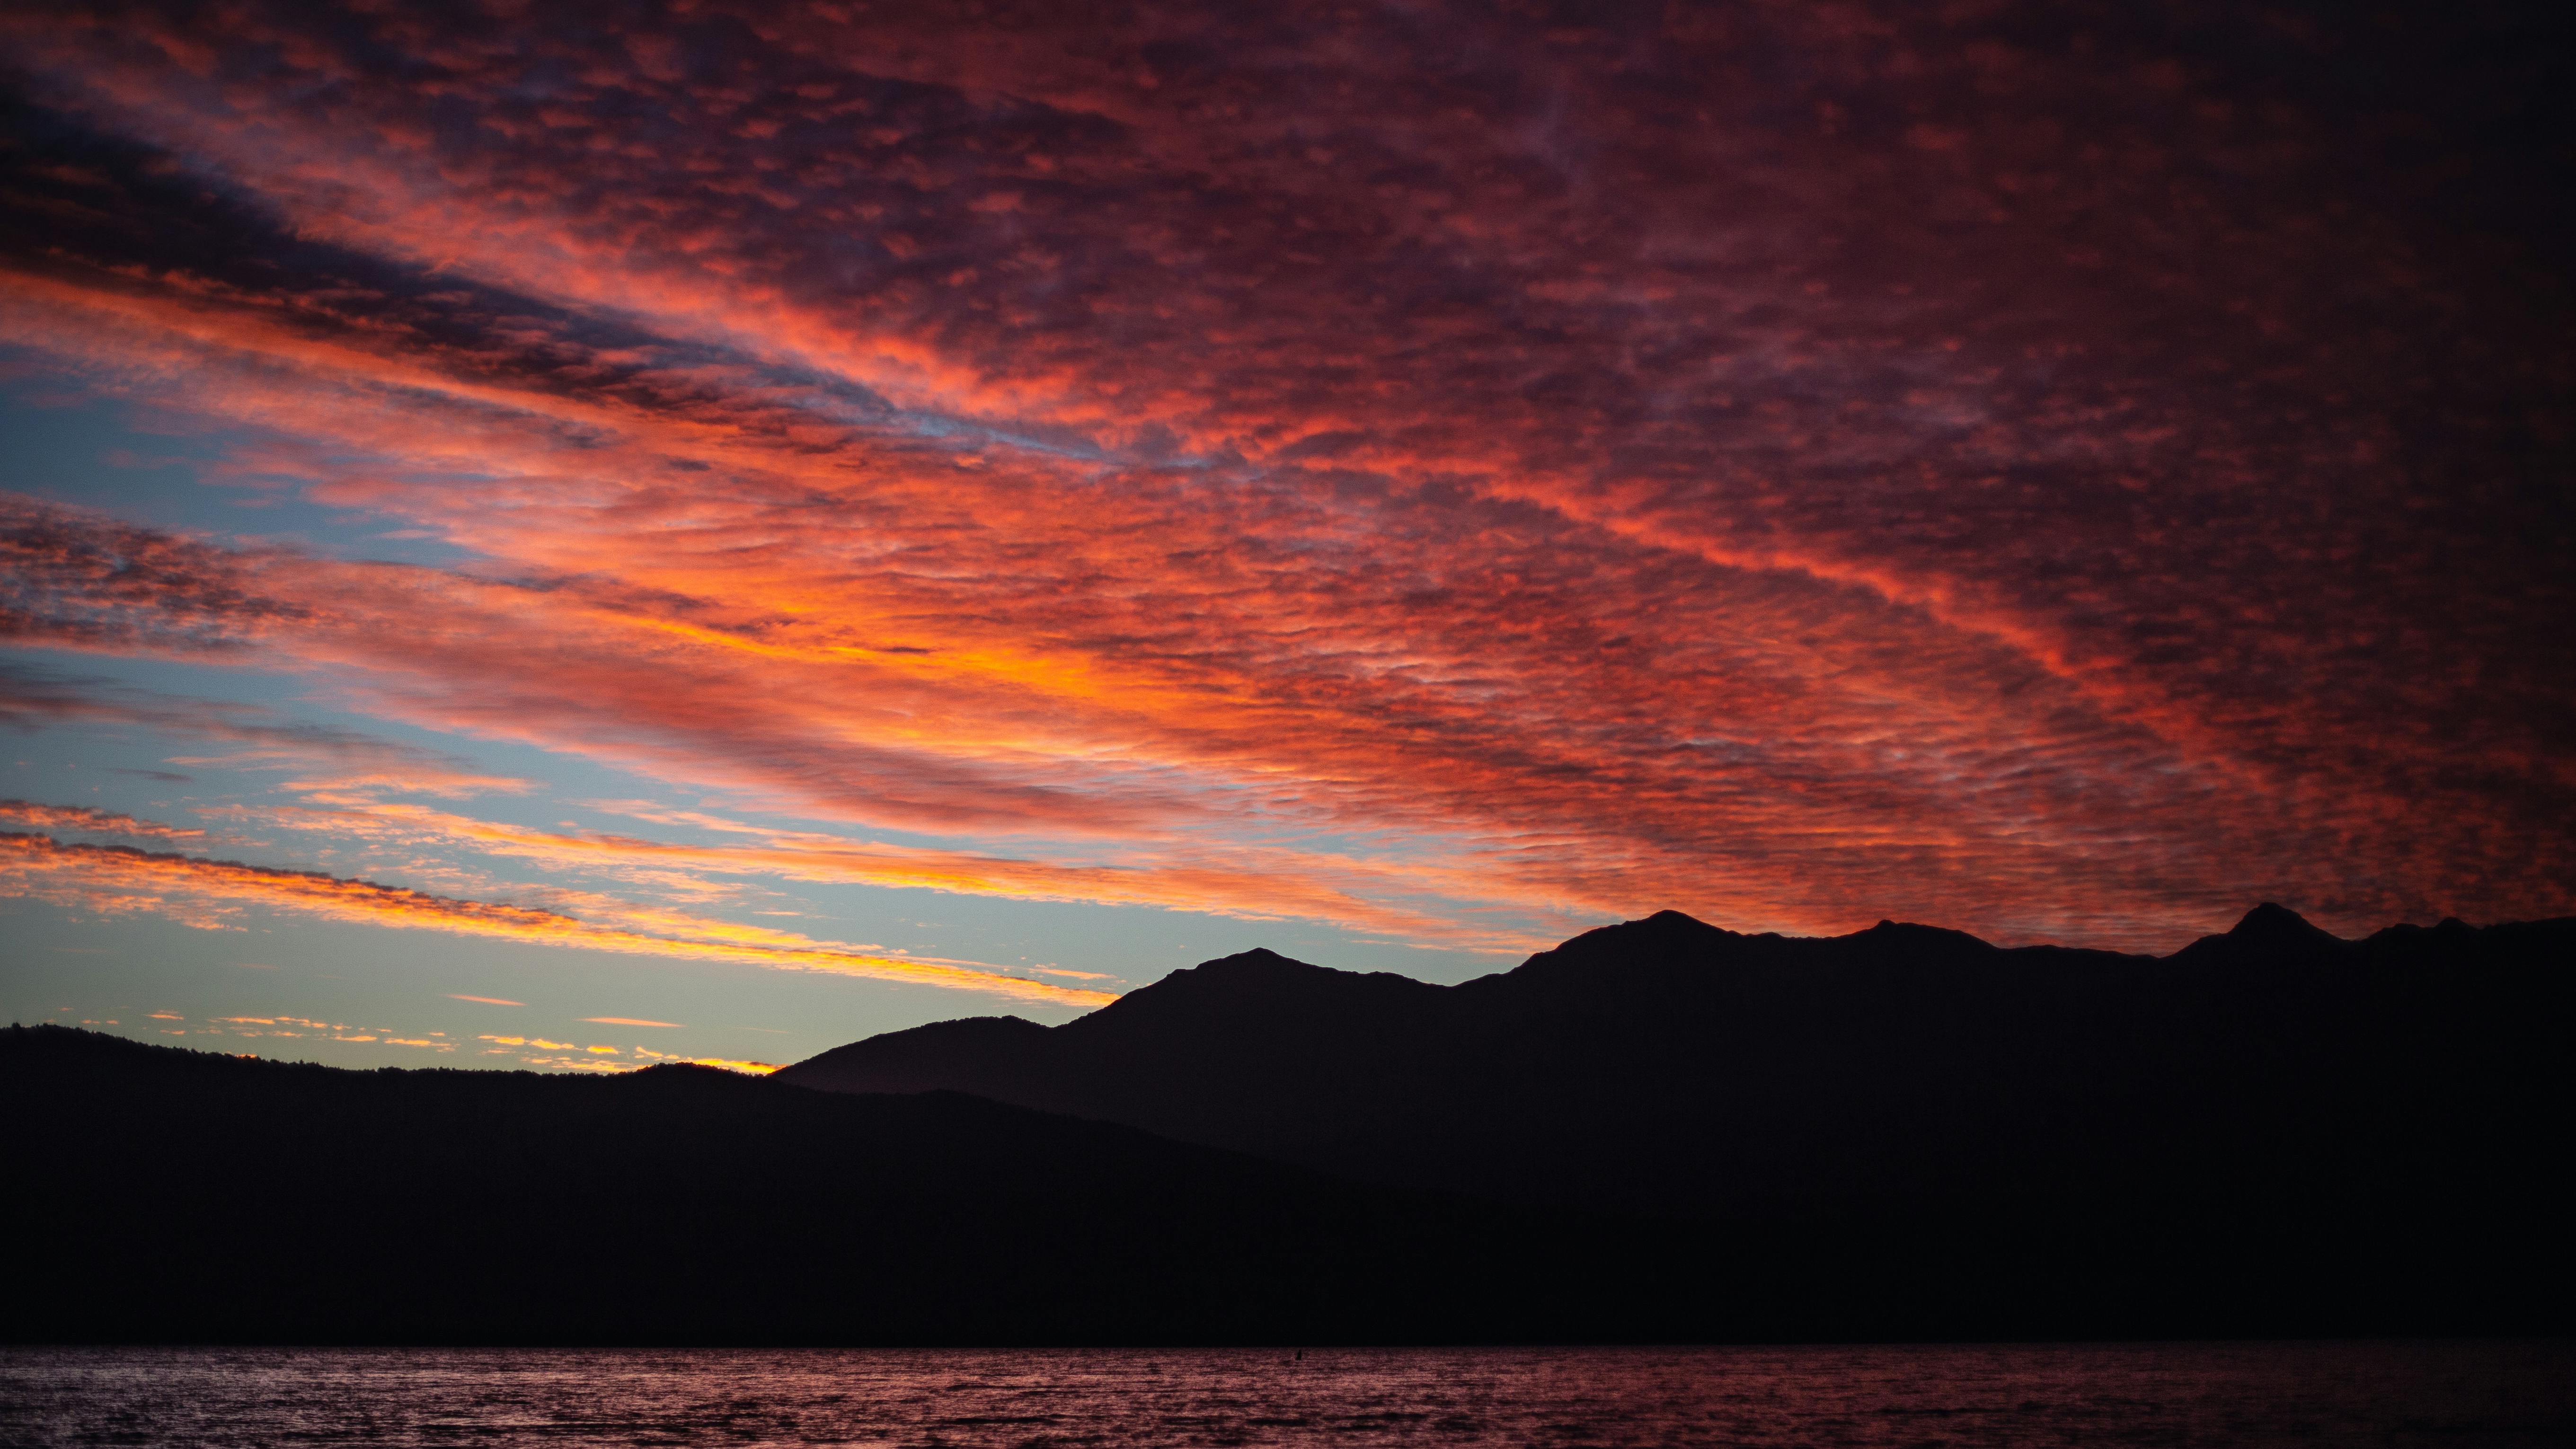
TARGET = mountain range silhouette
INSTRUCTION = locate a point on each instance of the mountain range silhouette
(1658, 1130)
(1669, 1066)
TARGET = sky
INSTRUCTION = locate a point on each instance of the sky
(581, 536)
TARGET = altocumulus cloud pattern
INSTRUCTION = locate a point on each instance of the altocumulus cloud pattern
(1443, 472)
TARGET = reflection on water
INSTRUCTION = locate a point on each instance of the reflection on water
(2474, 1395)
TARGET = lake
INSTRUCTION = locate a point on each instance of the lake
(2463, 1395)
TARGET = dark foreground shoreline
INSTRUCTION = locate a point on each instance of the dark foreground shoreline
(167, 1196)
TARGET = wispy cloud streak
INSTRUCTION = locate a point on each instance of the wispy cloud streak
(82, 819)
(121, 878)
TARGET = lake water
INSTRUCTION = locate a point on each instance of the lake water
(2466, 1395)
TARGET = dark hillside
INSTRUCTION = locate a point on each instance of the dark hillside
(159, 1194)
(1658, 1131)
(2273, 1114)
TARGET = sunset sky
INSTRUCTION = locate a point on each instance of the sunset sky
(580, 535)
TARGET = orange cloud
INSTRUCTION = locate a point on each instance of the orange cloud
(1259, 884)
(485, 1000)
(626, 1021)
(94, 876)
(75, 817)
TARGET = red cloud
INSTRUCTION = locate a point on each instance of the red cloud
(1982, 481)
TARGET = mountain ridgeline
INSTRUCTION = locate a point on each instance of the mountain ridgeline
(2273, 1115)
(1657, 1131)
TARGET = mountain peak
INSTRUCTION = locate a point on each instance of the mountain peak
(1917, 935)
(2273, 922)
(1254, 969)
(1665, 936)
(1661, 928)
(1259, 958)
(1258, 980)
(2269, 931)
